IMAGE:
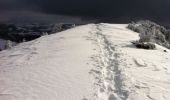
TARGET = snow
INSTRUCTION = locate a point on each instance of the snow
(89, 62)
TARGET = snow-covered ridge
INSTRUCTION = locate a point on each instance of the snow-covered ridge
(90, 62)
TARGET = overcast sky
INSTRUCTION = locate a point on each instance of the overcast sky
(102, 10)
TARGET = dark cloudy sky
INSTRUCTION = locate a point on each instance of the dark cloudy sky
(81, 10)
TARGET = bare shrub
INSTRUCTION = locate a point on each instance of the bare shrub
(151, 32)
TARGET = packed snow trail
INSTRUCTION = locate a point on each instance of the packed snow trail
(89, 62)
(109, 82)
(121, 71)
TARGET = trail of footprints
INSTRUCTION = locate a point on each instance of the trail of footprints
(109, 81)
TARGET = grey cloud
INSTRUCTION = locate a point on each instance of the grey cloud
(117, 10)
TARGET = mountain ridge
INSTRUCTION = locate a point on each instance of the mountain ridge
(88, 62)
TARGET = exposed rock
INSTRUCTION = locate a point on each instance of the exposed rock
(165, 50)
(144, 45)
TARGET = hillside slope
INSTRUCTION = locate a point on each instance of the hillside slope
(90, 62)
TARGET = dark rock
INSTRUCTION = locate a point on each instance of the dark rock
(144, 45)
(165, 51)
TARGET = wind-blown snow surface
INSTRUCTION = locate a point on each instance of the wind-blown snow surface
(90, 62)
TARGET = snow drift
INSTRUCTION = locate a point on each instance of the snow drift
(90, 62)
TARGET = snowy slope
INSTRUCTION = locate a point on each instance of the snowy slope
(90, 62)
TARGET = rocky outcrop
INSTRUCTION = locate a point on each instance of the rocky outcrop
(151, 32)
(144, 45)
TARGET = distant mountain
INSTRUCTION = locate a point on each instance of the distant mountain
(27, 32)
(17, 33)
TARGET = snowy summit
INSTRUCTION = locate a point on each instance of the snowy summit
(89, 62)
